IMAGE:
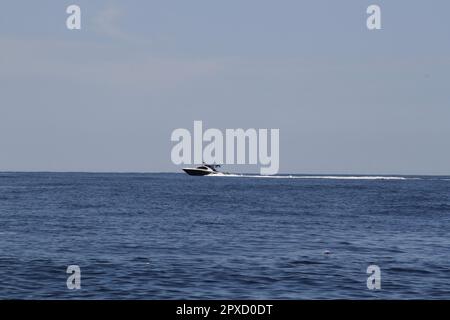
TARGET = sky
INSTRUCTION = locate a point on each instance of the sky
(106, 98)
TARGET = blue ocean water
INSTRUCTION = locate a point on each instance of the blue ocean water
(172, 236)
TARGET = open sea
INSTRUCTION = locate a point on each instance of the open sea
(173, 236)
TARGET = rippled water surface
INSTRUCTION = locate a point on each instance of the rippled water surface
(172, 236)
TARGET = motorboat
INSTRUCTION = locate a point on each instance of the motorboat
(203, 170)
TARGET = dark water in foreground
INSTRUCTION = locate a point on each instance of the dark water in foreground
(169, 236)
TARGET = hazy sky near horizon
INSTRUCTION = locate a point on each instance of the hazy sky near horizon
(107, 97)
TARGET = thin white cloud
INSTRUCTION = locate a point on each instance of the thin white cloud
(108, 23)
(84, 62)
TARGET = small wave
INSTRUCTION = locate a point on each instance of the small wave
(8, 233)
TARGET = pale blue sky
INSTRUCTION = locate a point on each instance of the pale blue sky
(107, 97)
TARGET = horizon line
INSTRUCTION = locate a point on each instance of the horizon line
(250, 173)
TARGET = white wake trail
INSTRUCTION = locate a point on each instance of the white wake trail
(313, 177)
